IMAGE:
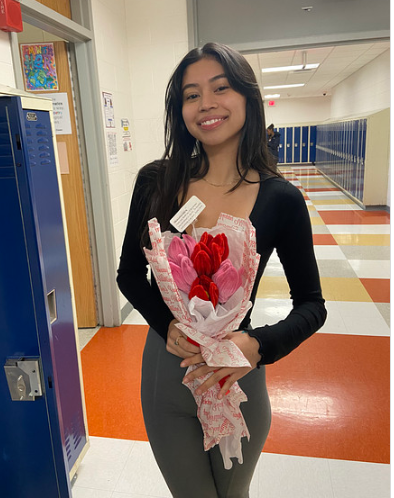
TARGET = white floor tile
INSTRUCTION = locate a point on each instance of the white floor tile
(328, 252)
(359, 479)
(135, 318)
(329, 195)
(78, 492)
(370, 268)
(338, 207)
(334, 323)
(123, 495)
(284, 476)
(141, 475)
(103, 463)
(360, 229)
(354, 319)
(270, 311)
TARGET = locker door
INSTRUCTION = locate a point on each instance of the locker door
(33, 456)
(289, 145)
(281, 145)
(297, 144)
(304, 144)
(312, 144)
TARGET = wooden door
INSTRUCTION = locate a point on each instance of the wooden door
(73, 191)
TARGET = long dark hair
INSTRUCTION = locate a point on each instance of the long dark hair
(184, 157)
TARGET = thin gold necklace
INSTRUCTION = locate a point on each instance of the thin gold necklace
(221, 184)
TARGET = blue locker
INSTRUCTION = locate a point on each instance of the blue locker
(289, 145)
(297, 145)
(312, 144)
(43, 432)
(304, 144)
(282, 145)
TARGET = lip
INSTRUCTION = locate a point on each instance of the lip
(211, 122)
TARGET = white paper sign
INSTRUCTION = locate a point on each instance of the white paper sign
(112, 148)
(187, 214)
(108, 110)
(61, 113)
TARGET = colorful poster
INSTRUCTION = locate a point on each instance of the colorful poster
(39, 68)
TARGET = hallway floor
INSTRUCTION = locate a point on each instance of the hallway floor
(330, 398)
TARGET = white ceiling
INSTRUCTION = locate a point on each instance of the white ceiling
(336, 64)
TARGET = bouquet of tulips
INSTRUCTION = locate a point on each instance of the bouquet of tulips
(206, 281)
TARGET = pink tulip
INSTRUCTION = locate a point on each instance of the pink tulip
(176, 249)
(184, 274)
(189, 243)
(178, 277)
(228, 279)
(188, 271)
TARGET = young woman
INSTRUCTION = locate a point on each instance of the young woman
(215, 149)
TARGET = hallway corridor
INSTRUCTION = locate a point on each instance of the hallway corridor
(330, 398)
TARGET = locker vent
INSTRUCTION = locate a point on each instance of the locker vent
(75, 439)
(39, 144)
(6, 158)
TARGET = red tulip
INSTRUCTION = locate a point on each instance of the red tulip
(202, 263)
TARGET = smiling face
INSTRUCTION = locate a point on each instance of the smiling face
(213, 112)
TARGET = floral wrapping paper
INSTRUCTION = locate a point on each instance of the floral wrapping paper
(221, 420)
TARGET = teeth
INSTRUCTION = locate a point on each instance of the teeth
(211, 121)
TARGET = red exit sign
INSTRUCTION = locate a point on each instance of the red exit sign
(271, 103)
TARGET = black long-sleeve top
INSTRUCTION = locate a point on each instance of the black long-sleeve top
(281, 220)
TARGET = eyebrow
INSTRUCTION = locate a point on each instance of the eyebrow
(194, 85)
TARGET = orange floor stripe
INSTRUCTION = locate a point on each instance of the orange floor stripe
(325, 239)
(111, 367)
(330, 397)
(378, 289)
(355, 217)
(321, 189)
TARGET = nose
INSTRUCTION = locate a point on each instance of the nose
(207, 101)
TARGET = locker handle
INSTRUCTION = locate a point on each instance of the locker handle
(51, 299)
(23, 378)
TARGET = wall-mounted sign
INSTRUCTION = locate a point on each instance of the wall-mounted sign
(39, 67)
(109, 110)
(61, 113)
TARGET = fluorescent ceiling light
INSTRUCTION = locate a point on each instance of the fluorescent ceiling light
(279, 69)
(283, 86)
(299, 67)
(273, 96)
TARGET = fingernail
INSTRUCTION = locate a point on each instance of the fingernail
(185, 379)
(198, 392)
(220, 396)
(183, 364)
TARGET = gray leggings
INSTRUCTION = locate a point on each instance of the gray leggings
(175, 433)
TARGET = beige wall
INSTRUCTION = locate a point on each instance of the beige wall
(297, 111)
(365, 91)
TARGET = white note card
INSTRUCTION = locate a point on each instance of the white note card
(187, 214)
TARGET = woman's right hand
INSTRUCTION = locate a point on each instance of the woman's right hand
(178, 344)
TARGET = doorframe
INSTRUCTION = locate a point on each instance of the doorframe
(79, 31)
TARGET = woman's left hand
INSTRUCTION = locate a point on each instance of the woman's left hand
(249, 347)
